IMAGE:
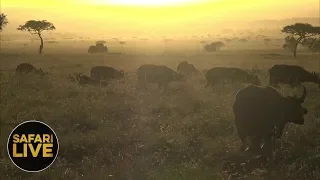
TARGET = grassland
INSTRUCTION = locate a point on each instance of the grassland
(124, 131)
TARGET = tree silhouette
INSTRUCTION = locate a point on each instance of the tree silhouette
(289, 43)
(3, 21)
(300, 31)
(313, 44)
(36, 28)
(214, 46)
(98, 48)
(315, 47)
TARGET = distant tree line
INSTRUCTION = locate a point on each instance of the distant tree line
(299, 33)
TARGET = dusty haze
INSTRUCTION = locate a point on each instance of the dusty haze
(101, 18)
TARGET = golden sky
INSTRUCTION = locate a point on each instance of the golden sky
(135, 17)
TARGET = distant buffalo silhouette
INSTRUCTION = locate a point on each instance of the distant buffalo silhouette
(28, 68)
(291, 75)
(160, 74)
(106, 73)
(187, 69)
(231, 75)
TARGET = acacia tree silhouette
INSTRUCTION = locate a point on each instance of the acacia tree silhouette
(300, 31)
(3, 21)
(36, 28)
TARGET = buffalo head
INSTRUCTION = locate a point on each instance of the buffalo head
(294, 112)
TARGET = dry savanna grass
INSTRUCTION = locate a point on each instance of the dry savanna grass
(125, 131)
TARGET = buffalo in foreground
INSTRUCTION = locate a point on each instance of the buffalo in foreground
(187, 69)
(160, 74)
(106, 73)
(231, 75)
(291, 75)
(261, 114)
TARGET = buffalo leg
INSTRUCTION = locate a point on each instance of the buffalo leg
(268, 146)
(244, 145)
(255, 144)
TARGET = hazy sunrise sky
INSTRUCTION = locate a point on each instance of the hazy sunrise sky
(151, 17)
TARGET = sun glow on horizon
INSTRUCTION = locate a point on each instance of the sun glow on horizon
(145, 2)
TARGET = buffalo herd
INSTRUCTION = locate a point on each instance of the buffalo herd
(261, 112)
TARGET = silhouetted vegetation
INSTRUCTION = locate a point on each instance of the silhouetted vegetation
(290, 43)
(3, 21)
(313, 44)
(36, 28)
(98, 48)
(214, 46)
(300, 31)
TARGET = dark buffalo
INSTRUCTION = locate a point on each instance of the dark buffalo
(25, 68)
(262, 112)
(224, 74)
(106, 73)
(291, 75)
(28, 68)
(158, 74)
(187, 69)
